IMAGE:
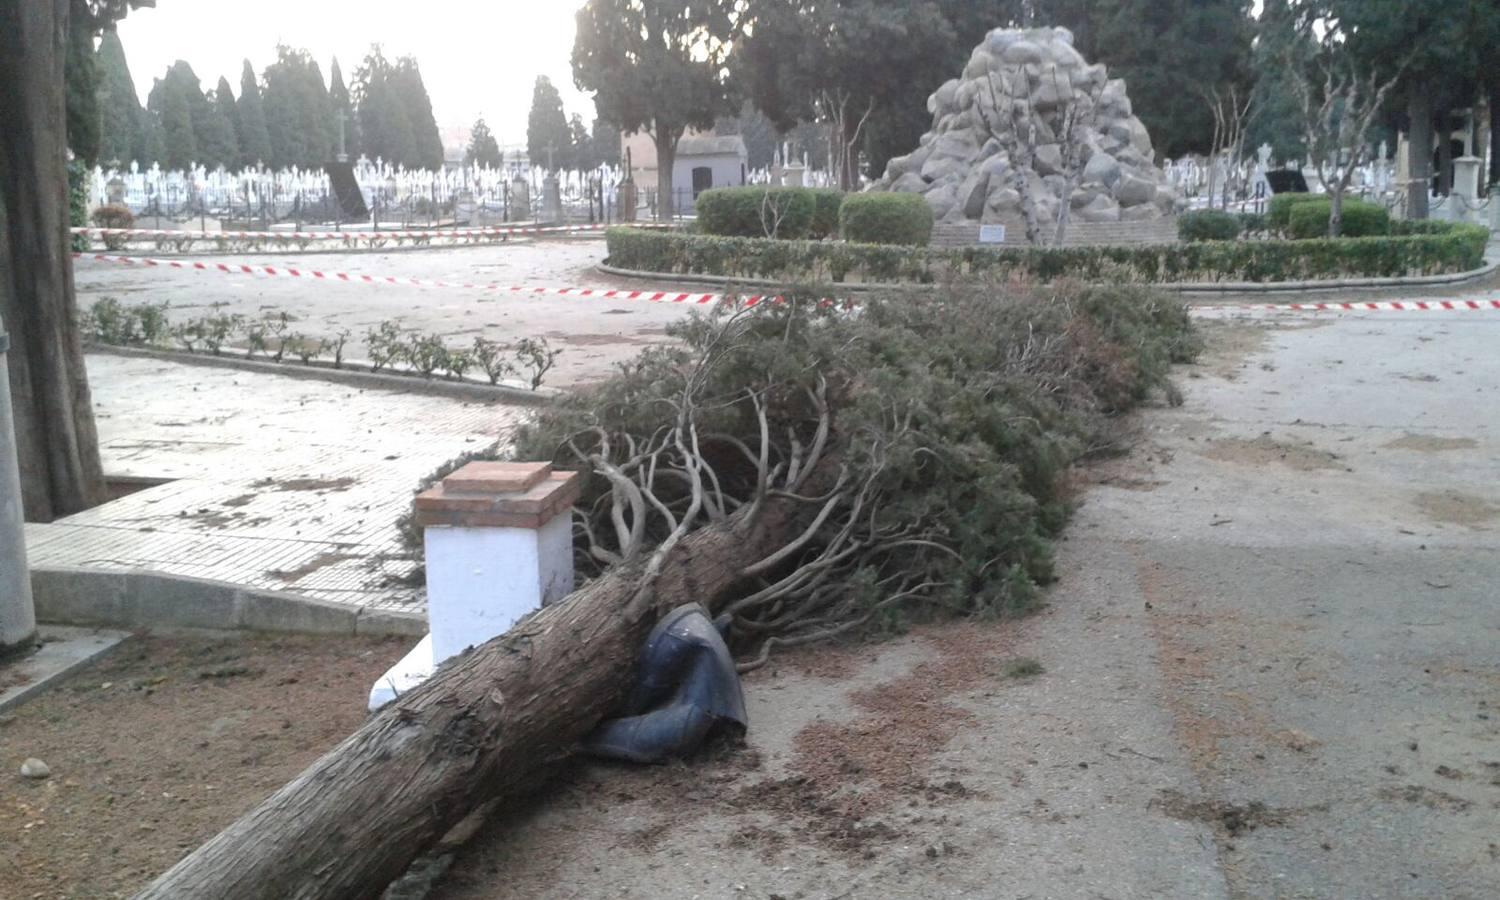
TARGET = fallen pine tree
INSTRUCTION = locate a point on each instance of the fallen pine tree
(811, 471)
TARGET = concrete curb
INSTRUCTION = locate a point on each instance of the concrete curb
(1184, 287)
(144, 599)
(353, 377)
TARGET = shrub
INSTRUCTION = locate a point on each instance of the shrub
(1253, 223)
(785, 213)
(1207, 225)
(1279, 211)
(1360, 219)
(884, 217)
(825, 220)
(1460, 248)
(114, 215)
(78, 203)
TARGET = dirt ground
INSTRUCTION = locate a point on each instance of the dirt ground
(161, 745)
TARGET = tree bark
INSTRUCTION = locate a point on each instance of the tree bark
(1418, 151)
(1494, 127)
(666, 160)
(1444, 154)
(54, 421)
(482, 727)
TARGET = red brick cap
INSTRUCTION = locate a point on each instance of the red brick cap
(504, 495)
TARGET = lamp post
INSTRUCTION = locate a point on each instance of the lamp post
(17, 615)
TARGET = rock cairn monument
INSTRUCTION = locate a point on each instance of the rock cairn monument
(1023, 89)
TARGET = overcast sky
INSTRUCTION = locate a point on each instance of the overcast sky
(478, 57)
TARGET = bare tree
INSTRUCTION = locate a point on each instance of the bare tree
(1231, 113)
(1336, 119)
(846, 132)
(1013, 120)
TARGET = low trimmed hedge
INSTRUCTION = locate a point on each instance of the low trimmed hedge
(754, 211)
(1208, 225)
(1458, 249)
(885, 217)
(1309, 220)
(825, 220)
(1279, 210)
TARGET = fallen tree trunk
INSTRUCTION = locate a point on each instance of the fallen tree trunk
(481, 728)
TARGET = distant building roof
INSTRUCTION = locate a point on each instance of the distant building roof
(711, 145)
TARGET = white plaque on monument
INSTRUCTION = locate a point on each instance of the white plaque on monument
(992, 234)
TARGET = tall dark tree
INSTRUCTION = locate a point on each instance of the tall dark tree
(604, 140)
(659, 67)
(214, 130)
(82, 80)
(395, 114)
(250, 121)
(180, 107)
(385, 126)
(412, 93)
(547, 126)
(121, 129)
(343, 110)
(483, 148)
(56, 439)
(1281, 51)
(299, 113)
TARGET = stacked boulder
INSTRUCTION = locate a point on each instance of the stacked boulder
(962, 167)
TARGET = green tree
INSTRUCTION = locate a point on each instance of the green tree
(82, 79)
(299, 113)
(343, 110)
(250, 122)
(412, 94)
(1276, 119)
(659, 67)
(217, 145)
(483, 150)
(604, 143)
(121, 129)
(547, 125)
(179, 105)
(384, 124)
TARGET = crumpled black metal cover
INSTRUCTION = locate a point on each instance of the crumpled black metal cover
(686, 685)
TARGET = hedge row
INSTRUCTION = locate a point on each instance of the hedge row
(883, 217)
(794, 213)
(1458, 249)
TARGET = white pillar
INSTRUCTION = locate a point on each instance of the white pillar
(17, 615)
(499, 545)
(1466, 177)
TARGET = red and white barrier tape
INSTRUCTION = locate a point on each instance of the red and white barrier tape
(443, 234)
(709, 299)
(356, 278)
(1386, 306)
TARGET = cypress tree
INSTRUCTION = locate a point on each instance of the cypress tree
(250, 122)
(338, 94)
(215, 133)
(121, 129)
(547, 125)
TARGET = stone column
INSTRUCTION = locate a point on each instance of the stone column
(17, 615)
(499, 544)
(552, 212)
(1466, 182)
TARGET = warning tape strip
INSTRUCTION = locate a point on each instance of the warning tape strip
(442, 234)
(1386, 306)
(709, 299)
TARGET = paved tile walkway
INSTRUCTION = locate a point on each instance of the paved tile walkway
(272, 483)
